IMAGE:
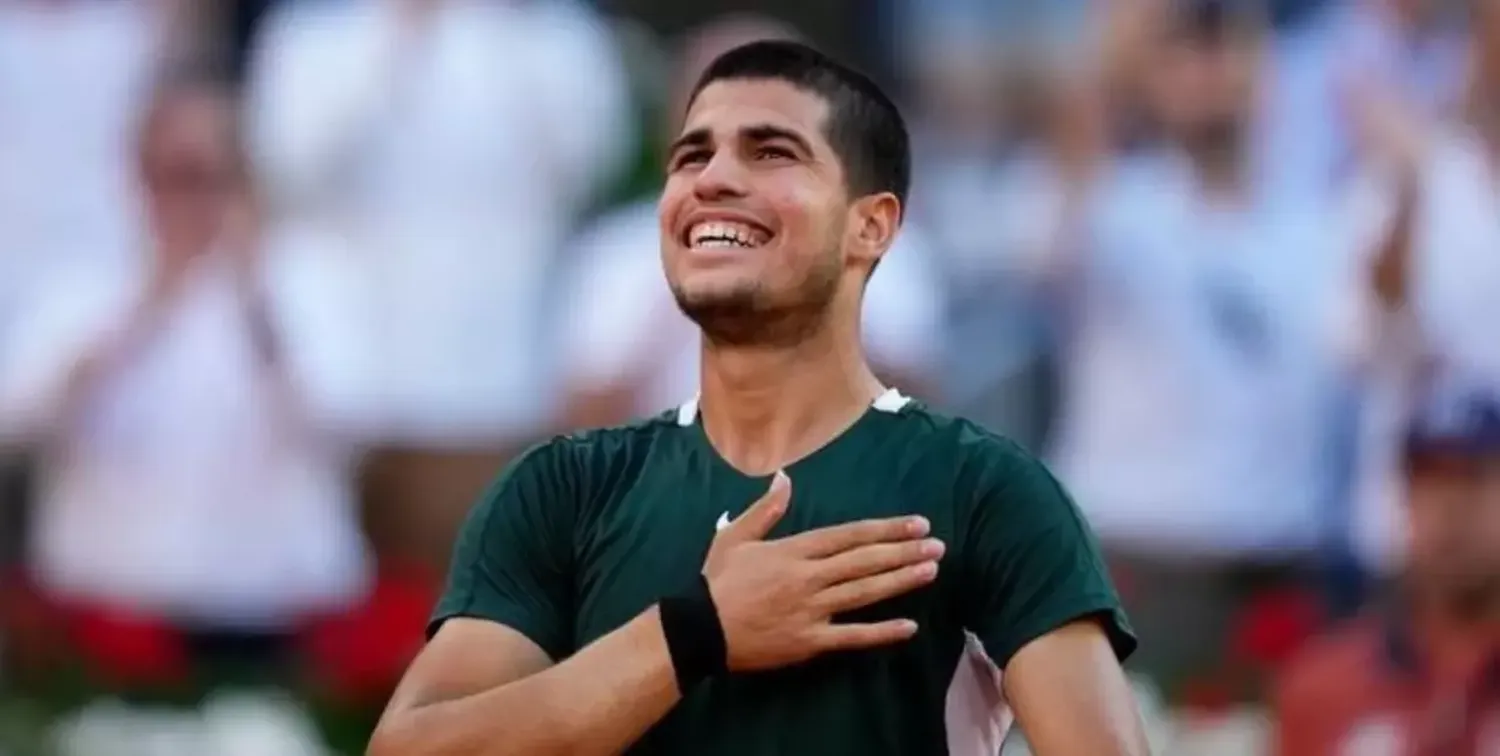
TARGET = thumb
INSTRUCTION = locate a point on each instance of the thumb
(757, 521)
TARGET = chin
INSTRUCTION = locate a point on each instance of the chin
(714, 288)
(701, 300)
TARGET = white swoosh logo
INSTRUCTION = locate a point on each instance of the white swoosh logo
(723, 522)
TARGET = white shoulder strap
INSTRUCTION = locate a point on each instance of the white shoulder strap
(891, 401)
(687, 413)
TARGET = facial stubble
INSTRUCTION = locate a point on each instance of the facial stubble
(754, 313)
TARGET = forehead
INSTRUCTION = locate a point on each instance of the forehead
(725, 108)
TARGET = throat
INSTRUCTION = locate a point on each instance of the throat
(760, 445)
(762, 418)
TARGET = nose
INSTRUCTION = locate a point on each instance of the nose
(723, 177)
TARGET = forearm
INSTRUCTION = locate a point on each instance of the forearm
(1391, 275)
(599, 701)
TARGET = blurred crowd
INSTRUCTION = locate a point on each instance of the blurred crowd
(283, 283)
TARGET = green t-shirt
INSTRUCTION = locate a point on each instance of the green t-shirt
(585, 532)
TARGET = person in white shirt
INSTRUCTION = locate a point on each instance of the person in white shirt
(190, 469)
(1194, 385)
(626, 351)
(1318, 67)
(65, 193)
(452, 143)
(1424, 228)
(447, 146)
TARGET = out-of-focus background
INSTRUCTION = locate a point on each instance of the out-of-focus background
(283, 283)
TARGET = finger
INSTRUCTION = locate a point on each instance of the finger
(864, 635)
(875, 558)
(860, 593)
(757, 521)
(816, 544)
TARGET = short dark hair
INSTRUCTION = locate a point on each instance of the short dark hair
(864, 127)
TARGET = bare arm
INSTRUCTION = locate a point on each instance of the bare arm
(1071, 697)
(482, 689)
(1393, 141)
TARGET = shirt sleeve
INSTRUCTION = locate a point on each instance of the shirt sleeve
(513, 560)
(1031, 563)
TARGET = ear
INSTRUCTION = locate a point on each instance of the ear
(873, 223)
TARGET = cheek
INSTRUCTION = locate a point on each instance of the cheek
(669, 206)
(668, 209)
(803, 211)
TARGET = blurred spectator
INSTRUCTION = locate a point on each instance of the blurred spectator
(185, 485)
(1422, 674)
(1310, 129)
(1417, 46)
(1424, 233)
(444, 146)
(71, 78)
(984, 126)
(627, 350)
(1195, 373)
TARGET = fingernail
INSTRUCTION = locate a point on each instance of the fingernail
(919, 526)
(934, 548)
(909, 626)
(927, 569)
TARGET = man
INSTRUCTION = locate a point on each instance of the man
(1194, 379)
(62, 159)
(1422, 283)
(577, 620)
(188, 485)
(627, 351)
(442, 149)
(1423, 676)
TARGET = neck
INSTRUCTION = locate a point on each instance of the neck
(1459, 643)
(765, 408)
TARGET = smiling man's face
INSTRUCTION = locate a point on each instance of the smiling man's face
(755, 208)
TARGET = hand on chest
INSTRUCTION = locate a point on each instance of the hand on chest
(652, 539)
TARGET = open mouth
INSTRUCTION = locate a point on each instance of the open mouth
(726, 235)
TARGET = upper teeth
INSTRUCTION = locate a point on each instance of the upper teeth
(720, 233)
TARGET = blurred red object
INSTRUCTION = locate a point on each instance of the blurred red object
(128, 649)
(1273, 627)
(120, 647)
(361, 655)
(358, 655)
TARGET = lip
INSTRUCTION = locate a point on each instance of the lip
(719, 216)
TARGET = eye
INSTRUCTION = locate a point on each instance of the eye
(773, 152)
(690, 157)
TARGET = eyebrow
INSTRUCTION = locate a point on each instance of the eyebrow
(766, 132)
(762, 132)
(696, 138)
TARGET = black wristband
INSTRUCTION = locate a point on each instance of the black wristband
(695, 637)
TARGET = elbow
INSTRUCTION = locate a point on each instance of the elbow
(411, 734)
